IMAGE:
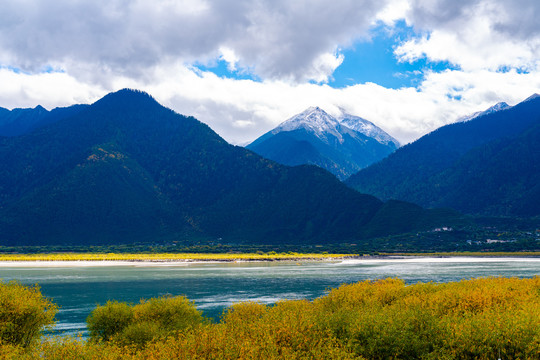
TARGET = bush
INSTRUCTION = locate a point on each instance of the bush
(383, 319)
(170, 313)
(108, 320)
(470, 319)
(139, 334)
(24, 313)
(137, 325)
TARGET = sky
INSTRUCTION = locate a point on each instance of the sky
(245, 66)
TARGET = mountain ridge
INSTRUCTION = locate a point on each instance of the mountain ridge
(126, 169)
(315, 137)
(367, 128)
(497, 107)
(21, 121)
(437, 170)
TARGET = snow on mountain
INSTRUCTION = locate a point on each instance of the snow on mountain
(497, 107)
(317, 138)
(317, 121)
(533, 96)
(314, 120)
(367, 128)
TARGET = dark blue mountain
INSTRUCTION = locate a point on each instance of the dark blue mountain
(316, 138)
(125, 169)
(21, 121)
(487, 165)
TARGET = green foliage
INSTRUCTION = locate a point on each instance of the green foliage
(171, 313)
(138, 334)
(24, 313)
(108, 320)
(139, 324)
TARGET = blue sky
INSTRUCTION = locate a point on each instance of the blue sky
(367, 60)
(374, 61)
(243, 67)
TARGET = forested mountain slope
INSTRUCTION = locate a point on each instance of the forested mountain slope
(126, 169)
(488, 165)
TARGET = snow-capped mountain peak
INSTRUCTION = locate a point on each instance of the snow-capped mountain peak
(367, 128)
(314, 137)
(533, 96)
(497, 107)
(313, 119)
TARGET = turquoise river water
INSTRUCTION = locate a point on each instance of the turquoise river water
(78, 287)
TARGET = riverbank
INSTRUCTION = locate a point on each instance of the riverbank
(168, 257)
(141, 259)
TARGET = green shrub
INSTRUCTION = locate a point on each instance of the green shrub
(138, 334)
(139, 324)
(108, 320)
(24, 313)
(170, 313)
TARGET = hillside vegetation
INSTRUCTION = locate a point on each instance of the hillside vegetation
(383, 319)
(126, 169)
(489, 165)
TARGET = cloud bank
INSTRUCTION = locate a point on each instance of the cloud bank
(64, 52)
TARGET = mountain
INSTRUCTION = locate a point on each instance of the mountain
(314, 137)
(497, 107)
(21, 121)
(367, 128)
(125, 169)
(488, 165)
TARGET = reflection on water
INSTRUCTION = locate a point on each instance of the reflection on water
(215, 286)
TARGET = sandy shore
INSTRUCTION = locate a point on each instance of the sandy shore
(157, 262)
(187, 262)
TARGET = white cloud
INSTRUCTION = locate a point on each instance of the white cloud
(277, 39)
(229, 57)
(323, 67)
(241, 110)
(48, 89)
(475, 34)
(105, 45)
(395, 10)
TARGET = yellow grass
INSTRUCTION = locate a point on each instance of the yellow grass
(230, 257)
(170, 257)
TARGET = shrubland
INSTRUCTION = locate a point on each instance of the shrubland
(139, 324)
(487, 318)
(24, 313)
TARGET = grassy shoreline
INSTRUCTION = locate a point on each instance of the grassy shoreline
(235, 257)
(170, 257)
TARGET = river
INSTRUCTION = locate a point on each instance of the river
(78, 286)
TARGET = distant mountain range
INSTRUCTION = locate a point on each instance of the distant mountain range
(497, 107)
(125, 169)
(21, 121)
(487, 164)
(340, 145)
